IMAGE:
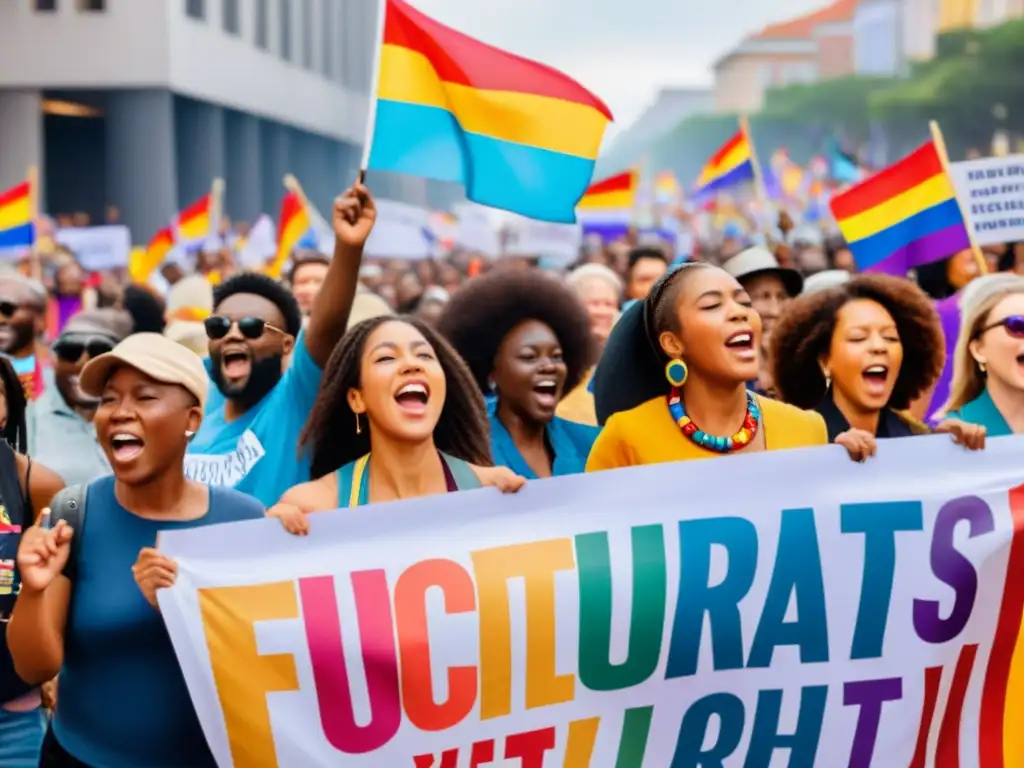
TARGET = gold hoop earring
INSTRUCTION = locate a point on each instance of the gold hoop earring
(359, 427)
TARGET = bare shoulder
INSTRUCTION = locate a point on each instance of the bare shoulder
(317, 495)
(43, 482)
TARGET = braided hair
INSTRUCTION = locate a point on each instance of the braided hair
(463, 429)
(15, 431)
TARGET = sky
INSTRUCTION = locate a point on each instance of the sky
(623, 51)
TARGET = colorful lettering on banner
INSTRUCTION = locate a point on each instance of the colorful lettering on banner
(819, 617)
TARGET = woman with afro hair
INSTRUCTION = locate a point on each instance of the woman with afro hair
(526, 337)
(859, 354)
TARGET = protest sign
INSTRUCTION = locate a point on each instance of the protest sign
(559, 243)
(991, 193)
(98, 248)
(476, 231)
(787, 608)
(401, 232)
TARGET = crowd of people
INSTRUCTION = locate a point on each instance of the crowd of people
(126, 412)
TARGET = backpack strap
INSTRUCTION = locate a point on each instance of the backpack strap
(69, 505)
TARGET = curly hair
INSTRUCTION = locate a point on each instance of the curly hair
(483, 312)
(803, 336)
(463, 429)
(15, 431)
(267, 287)
(146, 308)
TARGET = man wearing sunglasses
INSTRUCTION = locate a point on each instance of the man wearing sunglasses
(268, 369)
(22, 324)
(60, 430)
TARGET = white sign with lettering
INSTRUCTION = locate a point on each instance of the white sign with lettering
(991, 194)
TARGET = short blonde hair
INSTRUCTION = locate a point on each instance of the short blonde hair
(977, 302)
(578, 276)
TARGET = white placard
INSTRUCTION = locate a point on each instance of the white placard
(639, 617)
(401, 232)
(557, 243)
(97, 248)
(261, 244)
(475, 230)
(991, 194)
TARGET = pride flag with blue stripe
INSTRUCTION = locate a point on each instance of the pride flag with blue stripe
(519, 135)
(730, 166)
(904, 217)
(16, 226)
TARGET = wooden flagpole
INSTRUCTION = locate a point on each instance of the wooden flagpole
(940, 148)
(759, 187)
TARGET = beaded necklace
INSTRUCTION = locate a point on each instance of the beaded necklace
(743, 437)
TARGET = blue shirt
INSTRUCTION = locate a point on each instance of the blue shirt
(258, 452)
(982, 411)
(570, 442)
(123, 698)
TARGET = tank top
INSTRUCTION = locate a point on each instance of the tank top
(354, 479)
(15, 517)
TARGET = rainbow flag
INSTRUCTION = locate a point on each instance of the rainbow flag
(519, 135)
(731, 165)
(903, 217)
(292, 226)
(16, 227)
(144, 261)
(194, 224)
(609, 206)
(614, 195)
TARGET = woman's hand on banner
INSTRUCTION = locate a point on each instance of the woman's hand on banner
(502, 478)
(292, 518)
(153, 570)
(859, 443)
(354, 215)
(43, 553)
(970, 436)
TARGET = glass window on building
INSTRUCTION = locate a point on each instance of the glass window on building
(229, 17)
(262, 38)
(196, 9)
(286, 29)
(307, 34)
(92, 6)
(47, 6)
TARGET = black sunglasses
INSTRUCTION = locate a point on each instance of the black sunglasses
(1014, 325)
(218, 326)
(70, 350)
(8, 308)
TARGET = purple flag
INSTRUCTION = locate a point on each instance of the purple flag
(949, 315)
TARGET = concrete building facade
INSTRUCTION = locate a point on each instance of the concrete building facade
(806, 49)
(141, 103)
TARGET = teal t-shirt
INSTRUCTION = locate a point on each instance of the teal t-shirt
(258, 453)
(123, 698)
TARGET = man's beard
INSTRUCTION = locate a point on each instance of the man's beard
(264, 374)
(19, 338)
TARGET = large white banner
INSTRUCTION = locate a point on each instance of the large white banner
(991, 192)
(784, 609)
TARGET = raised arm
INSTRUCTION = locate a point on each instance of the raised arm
(353, 217)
